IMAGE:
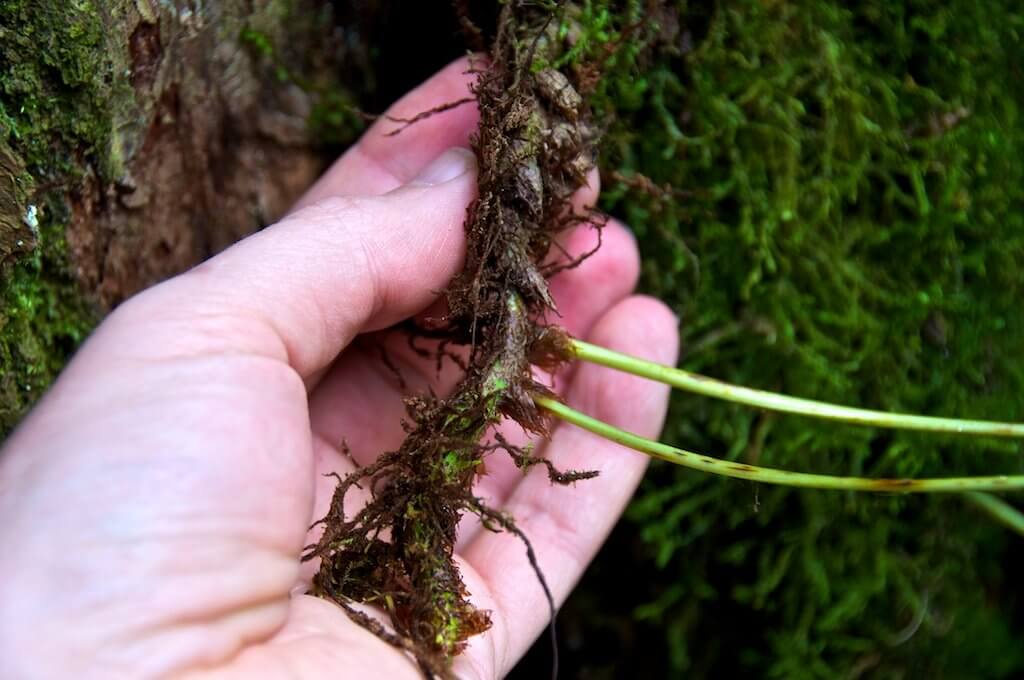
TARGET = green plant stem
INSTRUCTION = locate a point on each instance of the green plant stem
(770, 475)
(998, 509)
(692, 382)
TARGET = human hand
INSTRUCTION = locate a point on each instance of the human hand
(154, 505)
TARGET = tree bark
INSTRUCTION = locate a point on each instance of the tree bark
(139, 137)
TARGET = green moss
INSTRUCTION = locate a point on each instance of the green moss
(258, 41)
(850, 228)
(54, 115)
(335, 120)
(54, 84)
(42, 320)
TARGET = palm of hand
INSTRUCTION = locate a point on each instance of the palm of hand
(155, 504)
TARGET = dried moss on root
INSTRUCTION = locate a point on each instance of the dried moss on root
(535, 148)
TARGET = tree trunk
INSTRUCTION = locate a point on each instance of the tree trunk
(139, 137)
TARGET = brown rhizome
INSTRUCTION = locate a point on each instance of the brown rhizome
(535, 148)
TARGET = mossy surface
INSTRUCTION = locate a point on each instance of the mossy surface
(843, 219)
(43, 318)
(54, 83)
(55, 116)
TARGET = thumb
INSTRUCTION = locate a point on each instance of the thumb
(301, 289)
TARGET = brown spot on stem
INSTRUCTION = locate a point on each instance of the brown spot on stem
(895, 484)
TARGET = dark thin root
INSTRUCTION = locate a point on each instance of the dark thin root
(386, 360)
(525, 460)
(364, 116)
(426, 114)
(336, 513)
(558, 10)
(561, 249)
(507, 524)
(424, 658)
(444, 353)
(550, 270)
(346, 451)
(556, 475)
(420, 352)
(323, 520)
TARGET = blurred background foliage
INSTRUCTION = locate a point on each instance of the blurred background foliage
(839, 216)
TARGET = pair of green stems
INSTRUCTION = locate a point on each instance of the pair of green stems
(975, 489)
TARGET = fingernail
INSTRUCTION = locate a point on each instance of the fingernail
(453, 163)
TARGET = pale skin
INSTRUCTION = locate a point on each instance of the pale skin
(154, 505)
